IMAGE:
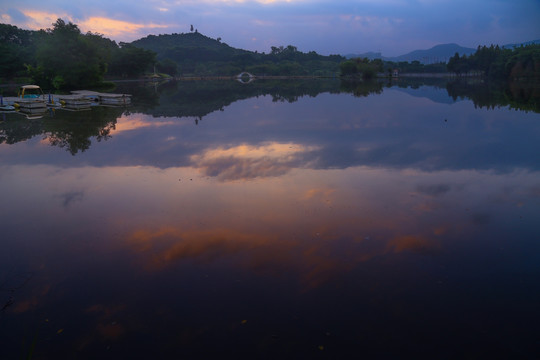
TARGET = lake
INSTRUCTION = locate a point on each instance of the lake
(272, 220)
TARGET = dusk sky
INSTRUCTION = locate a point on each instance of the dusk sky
(393, 27)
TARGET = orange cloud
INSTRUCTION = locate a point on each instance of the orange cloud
(97, 24)
(134, 122)
(249, 162)
(313, 261)
(418, 244)
(42, 19)
(115, 28)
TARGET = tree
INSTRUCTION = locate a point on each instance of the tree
(348, 68)
(459, 65)
(17, 48)
(131, 61)
(368, 68)
(68, 59)
(167, 66)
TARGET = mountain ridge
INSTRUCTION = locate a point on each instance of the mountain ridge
(437, 53)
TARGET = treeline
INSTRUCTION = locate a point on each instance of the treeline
(499, 63)
(63, 57)
(491, 62)
(197, 54)
(367, 69)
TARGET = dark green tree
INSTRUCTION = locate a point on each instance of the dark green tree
(17, 49)
(67, 59)
(131, 61)
(167, 66)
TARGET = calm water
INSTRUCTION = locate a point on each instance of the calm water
(274, 220)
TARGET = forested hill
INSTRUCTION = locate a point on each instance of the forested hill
(196, 54)
(169, 45)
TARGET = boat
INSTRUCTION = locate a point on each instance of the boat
(31, 92)
(5, 107)
(30, 97)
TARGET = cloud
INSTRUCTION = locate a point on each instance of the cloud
(138, 121)
(70, 197)
(393, 27)
(36, 20)
(16, 16)
(117, 28)
(433, 190)
(417, 244)
(249, 161)
(313, 263)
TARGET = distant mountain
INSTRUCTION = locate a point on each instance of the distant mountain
(370, 55)
(511, 46)
(438, 53)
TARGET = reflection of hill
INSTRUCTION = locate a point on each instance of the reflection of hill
(200, 98)
(433, 88)
(437, 95)
(75, 131)
(522, 96)
(66, 129)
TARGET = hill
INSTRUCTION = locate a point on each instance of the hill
(532, 42)
(438, 53)
(193, 45)
(197, 54)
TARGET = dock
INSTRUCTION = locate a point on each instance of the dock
(105, 98)
(77, 100)
(31, 103)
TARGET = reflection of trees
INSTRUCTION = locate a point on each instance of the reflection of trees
(14, 128)
(362, 88)
(516, 95)
(74, 130)
(66, 129)
(200, 98)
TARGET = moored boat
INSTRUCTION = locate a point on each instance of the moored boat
(31, 92)
(5, 106)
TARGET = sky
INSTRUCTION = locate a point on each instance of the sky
(392, 27)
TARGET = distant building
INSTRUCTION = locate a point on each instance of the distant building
(395, 73)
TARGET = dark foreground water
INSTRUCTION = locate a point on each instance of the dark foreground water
(274, 220)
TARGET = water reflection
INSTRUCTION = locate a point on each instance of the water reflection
(66, 129)
(272, 228)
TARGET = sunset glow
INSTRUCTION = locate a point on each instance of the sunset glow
(392, 27)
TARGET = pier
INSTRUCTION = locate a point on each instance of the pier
(77, 100)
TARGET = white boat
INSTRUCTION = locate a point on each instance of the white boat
(5, 106)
